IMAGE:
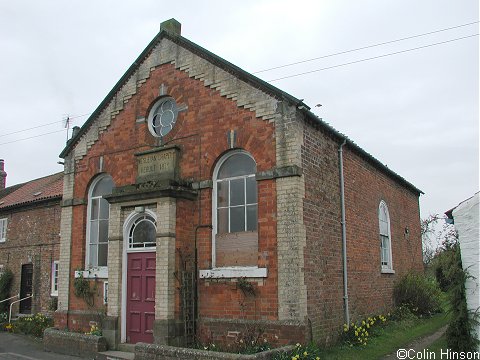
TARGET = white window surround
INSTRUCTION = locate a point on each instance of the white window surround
(3, 229)
(233, 271)
(93, 271)
(105, 292)
(54, 286)
(385, 236)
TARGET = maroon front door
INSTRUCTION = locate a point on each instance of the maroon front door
(140, 297)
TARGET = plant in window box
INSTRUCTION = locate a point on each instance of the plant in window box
(247, 288)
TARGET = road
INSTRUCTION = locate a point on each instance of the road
(21, 347)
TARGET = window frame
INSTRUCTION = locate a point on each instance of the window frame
(151, 114)
(54, 278)
(3, 229)
(98, 271)
(388, 267)
(229, 271)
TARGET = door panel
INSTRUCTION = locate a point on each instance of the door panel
(140, 297)
(26, 289)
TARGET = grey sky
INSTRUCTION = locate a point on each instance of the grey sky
(417, 112)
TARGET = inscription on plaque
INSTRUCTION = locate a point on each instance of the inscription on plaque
(160, 164)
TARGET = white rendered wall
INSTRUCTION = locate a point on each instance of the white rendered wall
(466, 218)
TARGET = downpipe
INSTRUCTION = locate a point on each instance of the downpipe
(344, 234)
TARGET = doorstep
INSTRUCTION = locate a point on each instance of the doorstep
(115, 355)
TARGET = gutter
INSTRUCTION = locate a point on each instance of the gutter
(344, 233)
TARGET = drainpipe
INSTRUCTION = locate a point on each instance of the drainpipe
(344, 234)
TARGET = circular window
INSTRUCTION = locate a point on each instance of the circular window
(143, 233)
(162, 117)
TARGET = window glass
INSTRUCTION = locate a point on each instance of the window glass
(237, 165)
(237, 219)
(237, 192)
(235, 211)
(143, 232)
(385, 240)
(98, 208)
(3, 230)
(251, 217)
(222, 191)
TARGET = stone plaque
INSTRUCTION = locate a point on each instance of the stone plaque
(158, 164)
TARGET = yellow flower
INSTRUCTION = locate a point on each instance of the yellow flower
(368, 326)
(305, 353)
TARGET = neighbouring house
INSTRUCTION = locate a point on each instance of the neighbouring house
(30, 240)
(200, 201)
(466, 218)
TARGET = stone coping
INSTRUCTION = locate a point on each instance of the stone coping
(145, 351)
(72, 343)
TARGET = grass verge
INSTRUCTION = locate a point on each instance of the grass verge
(394, 336)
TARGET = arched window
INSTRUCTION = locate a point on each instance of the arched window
(385, 236)
(97, 225)
(143, 232)
(235, 215)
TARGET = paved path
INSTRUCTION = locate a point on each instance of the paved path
(21, 347)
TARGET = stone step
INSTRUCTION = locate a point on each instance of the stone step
(115, 355)
(126, 347)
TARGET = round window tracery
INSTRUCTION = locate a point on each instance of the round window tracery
(142, 233)
(162, 116)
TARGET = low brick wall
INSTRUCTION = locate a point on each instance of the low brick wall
(162, 352)
(70, 343)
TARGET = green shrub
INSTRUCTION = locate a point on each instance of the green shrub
(33, 324)
(5, 284)
(419, 293)
(461, 328)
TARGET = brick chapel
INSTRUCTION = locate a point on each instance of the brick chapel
(199, 201)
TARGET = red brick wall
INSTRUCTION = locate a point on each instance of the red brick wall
(201, 133)
(370, 292)
(323, 260)
(33, 236)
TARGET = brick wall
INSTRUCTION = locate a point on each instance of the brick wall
(32, 237)
(201, 133)
(323, 260)
(370, 291)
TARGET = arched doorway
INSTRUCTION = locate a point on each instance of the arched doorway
(140, 260)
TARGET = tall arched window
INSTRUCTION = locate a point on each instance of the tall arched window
(235, 215)
(97, 226)
(385, 236)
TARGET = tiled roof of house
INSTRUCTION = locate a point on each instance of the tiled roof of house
(48, 187)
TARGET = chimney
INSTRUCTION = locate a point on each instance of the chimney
(3, 175)
(171, 26)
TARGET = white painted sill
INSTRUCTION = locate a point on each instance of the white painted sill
(388, 271)
(233, 272)
(94, 273)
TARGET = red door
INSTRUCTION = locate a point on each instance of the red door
(140, 297)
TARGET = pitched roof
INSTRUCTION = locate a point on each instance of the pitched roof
(48, 187)
(242, 75)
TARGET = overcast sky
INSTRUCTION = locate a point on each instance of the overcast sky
(415, 111)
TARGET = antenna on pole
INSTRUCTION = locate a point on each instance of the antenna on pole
(66, 123)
